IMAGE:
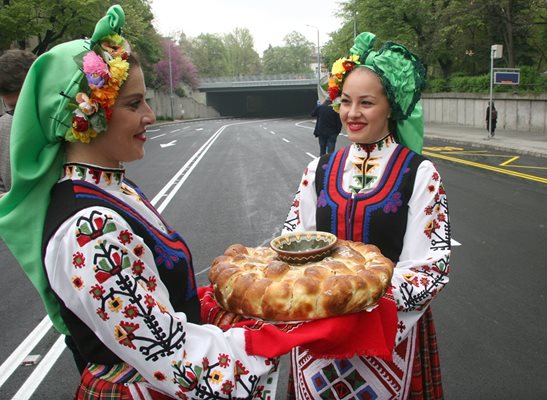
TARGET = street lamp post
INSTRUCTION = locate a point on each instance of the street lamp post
(171, 81)
(318, 56)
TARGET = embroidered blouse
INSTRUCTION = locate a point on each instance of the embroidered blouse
(363, 173)
(125, 291)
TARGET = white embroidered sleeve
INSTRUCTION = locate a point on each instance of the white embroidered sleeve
(423, 267)
(111, 282)
(301, 215)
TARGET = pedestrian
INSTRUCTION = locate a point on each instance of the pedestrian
(494, 119)
(110, 271)
(380, 190)
(14, 65)
(327, 126)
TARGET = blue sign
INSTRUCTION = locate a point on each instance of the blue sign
(507, 77)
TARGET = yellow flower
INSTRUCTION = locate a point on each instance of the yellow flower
(216, 377)
(85, 136)
(118, 69)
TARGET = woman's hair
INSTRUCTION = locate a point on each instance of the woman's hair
(14, 65)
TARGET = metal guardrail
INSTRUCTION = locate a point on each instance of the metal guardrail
(258, 80)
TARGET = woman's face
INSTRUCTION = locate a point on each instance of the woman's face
(125, 136)
(364, 108)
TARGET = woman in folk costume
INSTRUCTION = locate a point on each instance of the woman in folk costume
(380, 190)
(110, 271)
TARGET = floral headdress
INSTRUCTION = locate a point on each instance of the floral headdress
(401, 72)
(105, 68)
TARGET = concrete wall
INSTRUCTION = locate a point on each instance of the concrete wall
(183, 107)
(518, 113)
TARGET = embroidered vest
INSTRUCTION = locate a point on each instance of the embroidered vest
(378, 217)
(173, 259)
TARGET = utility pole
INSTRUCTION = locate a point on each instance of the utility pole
(171, 81)
(495, 52)
(318, 56)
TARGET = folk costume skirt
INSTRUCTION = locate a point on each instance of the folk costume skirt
(115, 382)
(425, 380)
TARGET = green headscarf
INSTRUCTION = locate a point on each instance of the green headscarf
(40, 123)
(403, 77)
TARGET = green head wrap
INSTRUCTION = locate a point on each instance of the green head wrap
(403, 77)
(40, 124)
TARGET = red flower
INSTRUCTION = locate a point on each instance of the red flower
(152, 284)
(333, 92)
(125, 237)
(159, 376)
(107, 113)
(138, 267)
(223, 360)
(131, 311)
(97, 291)
(78, 260)
(348, 65)
(138, 250)
(80, 124)
(227, 387)
(149, 300)
(102, 314)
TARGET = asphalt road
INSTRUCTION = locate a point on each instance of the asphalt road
(236, 180)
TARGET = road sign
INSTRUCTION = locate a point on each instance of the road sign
(507, 77)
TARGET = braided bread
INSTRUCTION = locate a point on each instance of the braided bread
(255, 283)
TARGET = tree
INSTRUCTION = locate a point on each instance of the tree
(294, 57)
(50, 22)
(175, 68)
(208, 53)
(241, 58)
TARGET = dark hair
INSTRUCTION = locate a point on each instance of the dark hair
(14, 65)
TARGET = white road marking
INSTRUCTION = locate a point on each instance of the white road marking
(286, 140)
(171, 143)
(272, 132)
(41, 370)
(155, 137)
(16, 358)
(311, 155)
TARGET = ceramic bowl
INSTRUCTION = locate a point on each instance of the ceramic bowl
(302, 247)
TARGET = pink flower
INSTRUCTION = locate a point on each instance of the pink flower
(95, 65)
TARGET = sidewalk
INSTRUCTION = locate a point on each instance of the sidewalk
(523, 143)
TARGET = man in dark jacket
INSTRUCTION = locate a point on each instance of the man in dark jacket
(327, 126)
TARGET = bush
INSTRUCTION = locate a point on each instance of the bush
(530, 82)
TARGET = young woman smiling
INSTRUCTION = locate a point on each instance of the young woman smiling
(380, 190)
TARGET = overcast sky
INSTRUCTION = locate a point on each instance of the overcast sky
(267, 20)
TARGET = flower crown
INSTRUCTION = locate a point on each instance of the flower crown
(105, 68)
(338, 73)
(401, 72)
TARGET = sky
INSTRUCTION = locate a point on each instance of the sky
(267, 20)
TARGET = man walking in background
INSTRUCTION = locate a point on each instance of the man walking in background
(327, 126)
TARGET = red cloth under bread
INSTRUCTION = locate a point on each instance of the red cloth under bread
(366, 333)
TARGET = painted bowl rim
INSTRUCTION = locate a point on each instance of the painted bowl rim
(303, 233)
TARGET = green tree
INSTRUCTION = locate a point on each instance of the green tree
(294, 57)
(208, 54)
(241, 58)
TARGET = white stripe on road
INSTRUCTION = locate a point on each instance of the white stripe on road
(16, 358)
(311, 155)
(42, 369)
(176, 130)
(286, 140)
(155, 137)
(272, 132)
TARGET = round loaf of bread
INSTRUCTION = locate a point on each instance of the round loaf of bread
(253, 282)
